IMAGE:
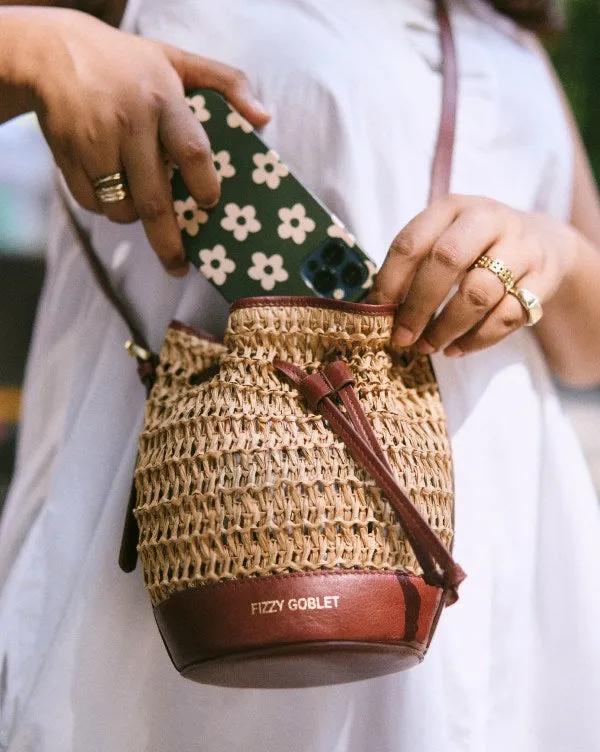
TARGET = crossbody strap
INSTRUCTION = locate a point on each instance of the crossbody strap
(441, 168)
(441, 171)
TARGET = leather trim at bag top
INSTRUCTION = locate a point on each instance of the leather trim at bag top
(193, 330)
(280, 612)
(308, 301)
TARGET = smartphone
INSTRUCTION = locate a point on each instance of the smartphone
(268, 235)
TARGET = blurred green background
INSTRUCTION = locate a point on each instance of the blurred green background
(576, 54)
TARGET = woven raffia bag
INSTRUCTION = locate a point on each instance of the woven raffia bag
(260, 535)
(293, 505)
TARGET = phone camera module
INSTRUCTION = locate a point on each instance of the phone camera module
(334, 253)
(353, 275)
(324, 281)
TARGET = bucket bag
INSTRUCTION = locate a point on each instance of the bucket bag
(293, 500)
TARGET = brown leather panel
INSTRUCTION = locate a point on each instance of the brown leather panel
(128, 555)
(312, 664)
(288, 301)
(258, 613)
(193, 330)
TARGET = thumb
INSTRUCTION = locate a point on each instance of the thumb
(196, 72)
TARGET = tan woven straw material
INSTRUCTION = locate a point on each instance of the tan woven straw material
(237, 477)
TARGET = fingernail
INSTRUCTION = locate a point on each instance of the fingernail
(178, 268)
(453, 352)
(209, 206)
(180, 272)
(402, 337)
(260, 106)
(424, 347)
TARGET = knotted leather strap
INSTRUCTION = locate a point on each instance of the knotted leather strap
(319, 390)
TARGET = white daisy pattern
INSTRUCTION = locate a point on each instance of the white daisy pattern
(197, 105)
(235, 120)
(189, 216)
(215, 264)
(240, 220)
(267, 270)
(223, 166)
(295, 224)
(338, 294)
(269, 169)
(372, 272)
(337, 230)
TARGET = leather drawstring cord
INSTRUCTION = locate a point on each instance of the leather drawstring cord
(319, 389)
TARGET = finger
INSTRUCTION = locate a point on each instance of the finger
(79, 186)
(449, 257)
(100, 164)
(507, 317)
(196, 71)
(479, 291)
(188, 146)
(408, 249)
(151, 196)
(122, 210)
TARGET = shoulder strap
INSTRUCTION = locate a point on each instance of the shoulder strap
(440, 184)
(441, 169)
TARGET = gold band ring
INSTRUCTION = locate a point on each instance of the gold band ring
(498, 268)
(531, 304)
(110, 188)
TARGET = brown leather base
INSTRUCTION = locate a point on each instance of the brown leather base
(311, 664)
(300, 629)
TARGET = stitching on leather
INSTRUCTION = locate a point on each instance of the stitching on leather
(298, 575)
(193, 331)
(416, 652)
(385, 309)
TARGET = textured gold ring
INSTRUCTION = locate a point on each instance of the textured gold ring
(498, 268)
(111, 188)
(531, 304)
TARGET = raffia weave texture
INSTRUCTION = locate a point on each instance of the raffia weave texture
(237, 478)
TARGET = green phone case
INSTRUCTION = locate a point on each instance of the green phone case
(268, 235)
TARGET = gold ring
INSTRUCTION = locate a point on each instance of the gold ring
(531, 304)
(498, 268)
(111, 188)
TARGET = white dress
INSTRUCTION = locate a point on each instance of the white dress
(354, 89)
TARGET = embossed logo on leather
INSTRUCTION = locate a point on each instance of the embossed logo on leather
(310, 603)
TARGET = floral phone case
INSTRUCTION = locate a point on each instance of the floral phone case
(268, 234)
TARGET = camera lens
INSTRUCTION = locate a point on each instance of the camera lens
(324, 281)
(334, 253)
(353, 275)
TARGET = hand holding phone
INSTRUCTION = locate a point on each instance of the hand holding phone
(268, 235)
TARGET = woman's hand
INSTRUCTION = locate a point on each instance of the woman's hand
(435, 252)
(111, 102)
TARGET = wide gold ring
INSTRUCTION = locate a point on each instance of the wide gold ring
(498, 268)
(110, 188)
(531, 304)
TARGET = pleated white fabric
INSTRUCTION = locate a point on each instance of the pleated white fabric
(354, 88)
